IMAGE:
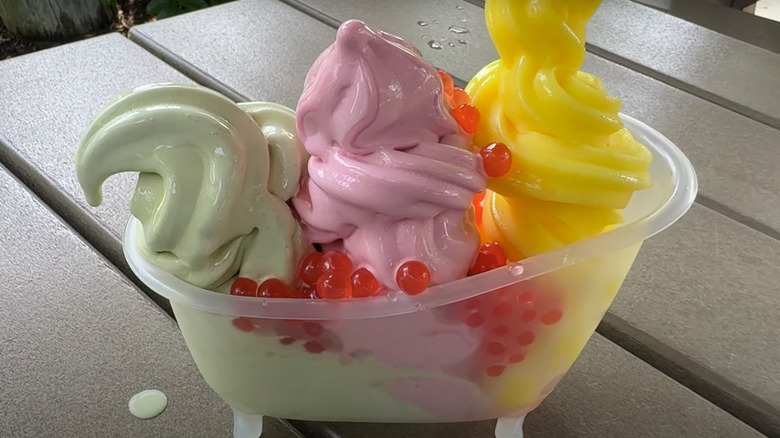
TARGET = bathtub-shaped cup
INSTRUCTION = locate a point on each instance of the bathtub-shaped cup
(484, 347)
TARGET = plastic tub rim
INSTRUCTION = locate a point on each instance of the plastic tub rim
(682, 197)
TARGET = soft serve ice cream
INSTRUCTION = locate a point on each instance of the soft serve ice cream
(379, 169)
(213, 180)
(391, 177)
(574, 164)
(390, 180)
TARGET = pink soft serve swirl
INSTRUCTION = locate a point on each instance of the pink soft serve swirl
(390, 178)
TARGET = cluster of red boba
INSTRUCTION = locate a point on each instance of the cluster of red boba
(496, 157)
(332, 275)
(509, 319)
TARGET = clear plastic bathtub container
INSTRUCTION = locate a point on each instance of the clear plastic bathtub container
(484, 347)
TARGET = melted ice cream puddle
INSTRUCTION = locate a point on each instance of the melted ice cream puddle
(148, 404)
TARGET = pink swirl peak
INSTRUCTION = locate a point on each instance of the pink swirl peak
(391, 178)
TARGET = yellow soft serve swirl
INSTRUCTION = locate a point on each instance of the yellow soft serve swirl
(574, 164)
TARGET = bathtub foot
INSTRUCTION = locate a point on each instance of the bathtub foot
(510, 427)
(247, 426)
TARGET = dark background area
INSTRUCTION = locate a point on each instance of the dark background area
(126, 14)
(722, 16)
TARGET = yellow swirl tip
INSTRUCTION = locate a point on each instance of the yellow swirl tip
(574, 163)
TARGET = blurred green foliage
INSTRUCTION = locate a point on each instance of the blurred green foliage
(168, 8)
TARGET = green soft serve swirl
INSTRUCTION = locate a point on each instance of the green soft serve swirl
(214, 178)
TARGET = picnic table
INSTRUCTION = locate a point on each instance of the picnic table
(689, 348)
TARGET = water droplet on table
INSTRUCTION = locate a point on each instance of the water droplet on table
(422, 23)
(451, 44)
(435, 21)
(458, 29)
(148, 404)
(435, 45)
(459, 7)
(464, 20)
(462, 42)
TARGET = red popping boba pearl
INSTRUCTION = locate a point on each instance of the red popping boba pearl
(364, 284)
(467, 117)
(413, 277)
(495, 249)
(335, 262)
(496, 159)
(244, 287)
(496, 348)
(551, 317)
(485, 261)
(526, 298)
(334, 286)
(449, 85)
(494, 370)
(460, 97)
(501, 330)
(528, 316)
(243, 324)
(314, 347)
(273, 288)
(525, 339)
(310, 268)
